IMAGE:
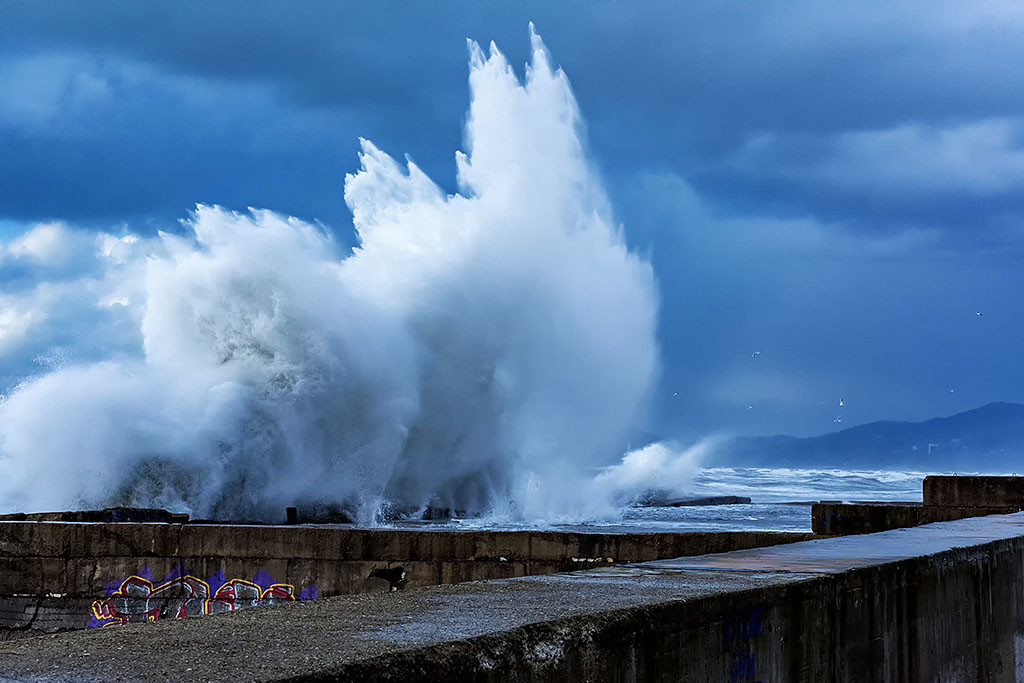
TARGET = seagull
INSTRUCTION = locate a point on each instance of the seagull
(838, 419)
(675, 393)
(750, 407)
(840, 402)
(979, 314)
(755, 354)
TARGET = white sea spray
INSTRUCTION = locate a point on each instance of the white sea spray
(476, 351)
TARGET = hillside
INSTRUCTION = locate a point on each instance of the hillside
(989, 438)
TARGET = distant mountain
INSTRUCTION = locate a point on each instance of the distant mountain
(989, 438)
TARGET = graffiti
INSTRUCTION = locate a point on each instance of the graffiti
(739, 631)
(139, 599)
(742, 625)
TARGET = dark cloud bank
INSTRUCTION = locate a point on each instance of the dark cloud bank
(837, 187)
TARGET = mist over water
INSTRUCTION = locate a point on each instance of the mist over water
(478, 351)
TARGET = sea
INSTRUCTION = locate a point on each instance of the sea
(780, 501)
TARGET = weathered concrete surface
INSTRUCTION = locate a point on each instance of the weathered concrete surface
(50, 573)
(119, 514)
(836, 519)
(980, 491)
(941, 602)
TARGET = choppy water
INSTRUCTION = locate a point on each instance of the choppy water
(780, 498)
(764, 485)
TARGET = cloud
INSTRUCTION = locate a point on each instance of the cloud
(885, 318)
(834, 183)
(907, 163)
(114, 140)
(41, 87)
(752, 385)
(49, 245)
(705, 224)
(667, 84)
(679, 87)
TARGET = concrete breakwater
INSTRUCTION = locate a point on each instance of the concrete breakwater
(945, 498)
(60, 575)
(941, 602)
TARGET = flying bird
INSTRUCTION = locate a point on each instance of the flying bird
(755, 354)
(840, 402)
(979, 314)
(838, 419)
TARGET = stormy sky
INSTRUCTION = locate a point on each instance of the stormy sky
(836, 187)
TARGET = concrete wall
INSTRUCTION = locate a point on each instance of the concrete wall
(938, 603)
(945, 498)
(956, 616)
(983, 491)
(836, 519)
(52, 573)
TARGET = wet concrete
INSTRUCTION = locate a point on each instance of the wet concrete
(937, 602)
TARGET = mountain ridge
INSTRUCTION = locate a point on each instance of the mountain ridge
(987, 437)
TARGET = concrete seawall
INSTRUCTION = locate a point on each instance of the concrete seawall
(52, 573)
(978, 490)
(838, 519)
(945, 498)
(941, 602)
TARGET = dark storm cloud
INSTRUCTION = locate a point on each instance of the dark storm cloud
(685, 86)
(887, 321)
(838, 184)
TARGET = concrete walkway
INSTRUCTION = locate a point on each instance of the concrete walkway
(938, 602)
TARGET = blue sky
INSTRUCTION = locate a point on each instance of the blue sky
(835, 186)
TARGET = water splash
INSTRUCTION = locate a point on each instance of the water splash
(476, 351)
(655, 472)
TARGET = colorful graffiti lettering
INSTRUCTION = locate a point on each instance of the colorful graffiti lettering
(180, 595)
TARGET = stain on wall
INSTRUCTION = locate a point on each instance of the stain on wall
(138, 598)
